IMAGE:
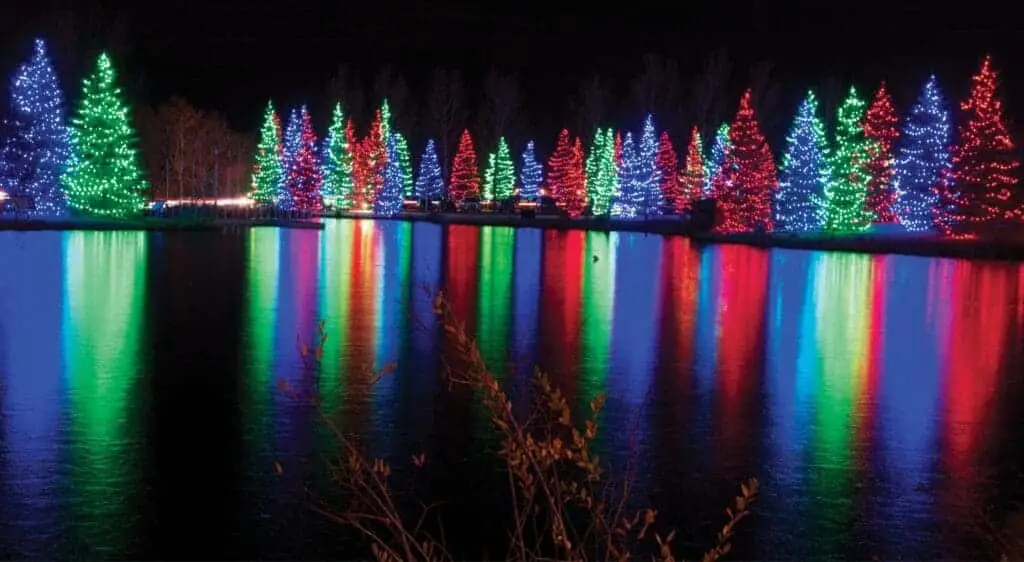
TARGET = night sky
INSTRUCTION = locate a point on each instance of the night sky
(231, 56)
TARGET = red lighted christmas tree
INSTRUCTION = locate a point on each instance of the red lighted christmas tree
(984, 161)
(618, 150)
(304, 176)
(668, 166)
(880, 127)
(746, 187)
(573, 190)
(465, 180)
(558, 179)
(691, 178)
(360, 200)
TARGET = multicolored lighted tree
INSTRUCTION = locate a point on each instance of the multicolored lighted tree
(746, 186)
(104, 177)
(337, 165)
(716, 160)
(388, 202)
(532, 174)
(429, 183)
(304, 178)
(37, 149)
(268, 174)
(880, 127)
(806, 173)
(465, 181)
(923, 162)
(693, 176)
(667, 164)
(985, 159)
(846, 197)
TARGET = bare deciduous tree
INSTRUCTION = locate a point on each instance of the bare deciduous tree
(831, 97)
(656, 90)
(391, 85)
(764, 93)
(345, 86)
(502, 104)
(709, 92)
(447, 110)
(590, 105)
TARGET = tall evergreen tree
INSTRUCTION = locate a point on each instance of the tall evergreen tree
(746, 186)
(465, 182)
(38, 145)
(716, 160)
(880, 126)
(337, 164)
(268, 175)
(388, 202)
(104, 177)
(923, 161)
(667, 163)
(304, 178)
(846, 198)
(806, 173)
(532, 174)
(429, 183)
(504, 172)
(693, 175)
(985, 162)
(602, 174)
(404, 163)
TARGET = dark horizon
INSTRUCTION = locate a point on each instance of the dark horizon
(231, 58)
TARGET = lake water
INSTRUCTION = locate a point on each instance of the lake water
(876, 397)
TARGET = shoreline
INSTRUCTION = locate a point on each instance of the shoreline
(871, 243)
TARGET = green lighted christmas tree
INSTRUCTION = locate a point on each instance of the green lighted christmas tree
(338, 188)
(504, 172)
(846, 200)
(602, 172)
(103, 176)
(404, 165)
(489, 173)
(267, 170)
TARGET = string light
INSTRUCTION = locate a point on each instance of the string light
(465, 182)
(923, 162)
(532, 174)
(388, 202)
(693, 176)
(805, 173)
(103, 177)
(746, 186)
(337, 164)
(304, 178)
(429, 183)
(880, 126)
(667, 164)
(846, 196)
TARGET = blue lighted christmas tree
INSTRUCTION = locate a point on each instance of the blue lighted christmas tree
(389, 200)
(639, 192)
(292, 142)
(923, 161)
(719, 150)
(429, 183)
(805, 173)
(532, 174)
(38, 146)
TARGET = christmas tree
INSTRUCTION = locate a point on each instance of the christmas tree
(291, 143)
(559, 180)
(304, 177)
(360, 173)
(846, 198)
(806, 173)
(487, 187)
(574, 195)
(746, 186)
(880, 127)
(337, 164)
(103, 176)
(532, 174)
(628, 162)
(267, 174)
(504, 172)
(404, 162)
(430, 184)
(465, 182)
(984, 159)
(601, 172)
(923, 162)
(668, 169)
(375, 155)
(693, 176)
(37, 149)
(719, 150)
(388, 202)
(640, 179)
